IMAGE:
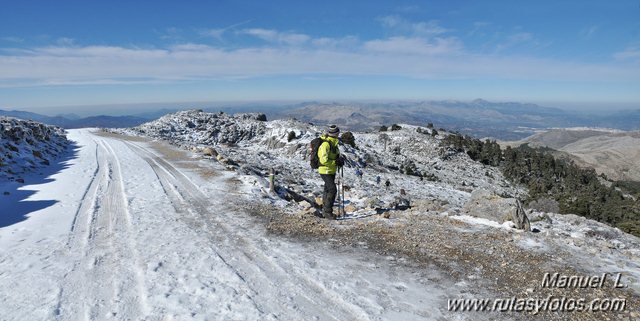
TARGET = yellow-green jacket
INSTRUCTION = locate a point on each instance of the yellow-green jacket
(328, 154)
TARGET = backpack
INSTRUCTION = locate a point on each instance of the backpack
(314, 161)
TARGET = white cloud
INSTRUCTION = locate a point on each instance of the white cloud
(632, 53)
(415, 45)
(171, 33)
(344, 42)
(271, 35)
(429, 28)
(516, 39)
(213, 33)
(402, 25)
(64, 41)
(217, 33)
(588, 32)
(479, 28)
(291, 54)
(391, 21)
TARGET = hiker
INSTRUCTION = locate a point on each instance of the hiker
(387, 184)
(359, 174)
(329, 160)
(378, 180)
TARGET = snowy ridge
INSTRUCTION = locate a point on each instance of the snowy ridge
(218, 128)
(253, 147)
(26, 145)
(261, 145)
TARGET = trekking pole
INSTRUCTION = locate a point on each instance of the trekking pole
(342, 189)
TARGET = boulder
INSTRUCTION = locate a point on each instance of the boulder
(487, 205)
(519, 217)
(372, 202)
(305, 204)
(429, 205)
(310, 211)
(400, 203)
(208, 151)
(349, 208)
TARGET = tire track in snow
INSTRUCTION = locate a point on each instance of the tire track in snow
(86, 205)
(106, 280)
(73, 291)
(298, 292)
(131, 294)
(183, 207)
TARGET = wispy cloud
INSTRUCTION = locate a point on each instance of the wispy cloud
(270, 35)
(213, 33)
(478, 28)
(414, 45)
(414, 49)
(588, 32)
(631, 53)
(12, 39)
(516, 39)
(334, 43)
(408, 8)
(64, 41)
(398, 56)
(422, 28)
(217, 33)
(171, 33)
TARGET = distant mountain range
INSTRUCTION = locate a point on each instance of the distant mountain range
(72, 121)
(479, 118)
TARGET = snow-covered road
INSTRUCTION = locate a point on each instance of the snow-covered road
(130, 233)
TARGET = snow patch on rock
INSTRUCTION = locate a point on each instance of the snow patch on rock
(27, 145)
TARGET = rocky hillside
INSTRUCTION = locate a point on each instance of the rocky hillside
(464, 216)
(27, 145)
(253, 145)
(613, 153)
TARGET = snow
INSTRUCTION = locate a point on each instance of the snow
(124, 229)
(27, 145)
(130, 235)
(261, 145)
(483, 221)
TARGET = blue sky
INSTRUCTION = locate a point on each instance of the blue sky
(556, 53)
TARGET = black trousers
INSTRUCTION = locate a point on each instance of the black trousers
(329, 193)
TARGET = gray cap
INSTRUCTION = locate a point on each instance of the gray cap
(333, 130)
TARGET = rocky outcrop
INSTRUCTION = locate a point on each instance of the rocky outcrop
(195, 127)
(520, 218)
(208, 151)
(27, 145)
(493, 207)
(251, 141)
